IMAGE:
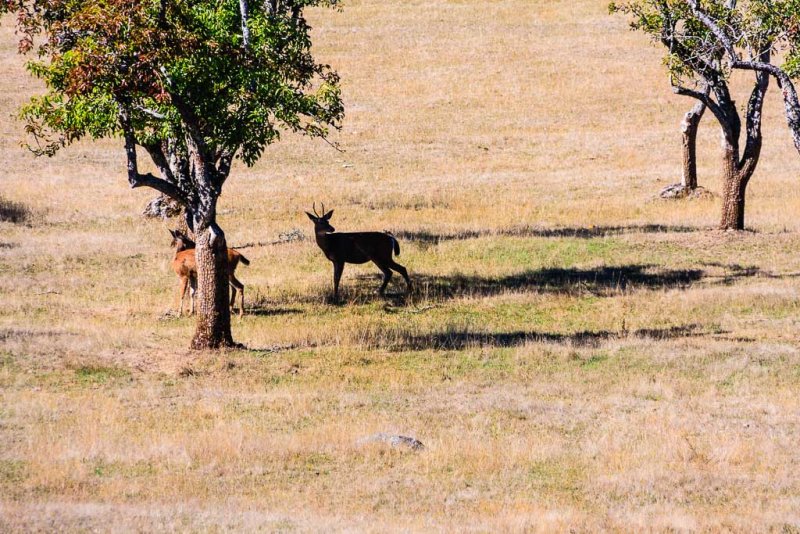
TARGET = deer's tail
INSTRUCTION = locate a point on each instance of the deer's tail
(395, 243)
(244, 260)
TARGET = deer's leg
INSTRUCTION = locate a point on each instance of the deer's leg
(338, 269)
(236, 284)
(182, 282)
(403, 272)
(192, 291)
(387, 275)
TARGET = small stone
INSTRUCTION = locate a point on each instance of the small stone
(393, 440)
(162, 207)
(678, 191)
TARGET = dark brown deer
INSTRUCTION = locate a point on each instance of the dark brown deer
(185, 266)
(356, 247)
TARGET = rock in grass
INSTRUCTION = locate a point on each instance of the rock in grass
(162, 207)
(393, 440)
(678, 191)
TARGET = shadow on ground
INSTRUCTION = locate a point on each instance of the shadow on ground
(459, 340)
(599, 281)
(426, 237)
(266, 311)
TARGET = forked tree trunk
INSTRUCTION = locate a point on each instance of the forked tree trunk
(213, 313)
(689, 126)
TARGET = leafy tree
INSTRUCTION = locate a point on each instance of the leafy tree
(194, 83)
(706, 41)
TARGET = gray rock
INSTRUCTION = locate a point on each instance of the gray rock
(393, 440)
(677, 191)
(161, 207)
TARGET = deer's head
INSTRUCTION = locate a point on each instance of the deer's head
(321, 224)
(181, 241)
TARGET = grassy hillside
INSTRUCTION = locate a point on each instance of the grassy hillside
(576, 354)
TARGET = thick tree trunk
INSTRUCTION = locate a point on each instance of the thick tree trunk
(213, 314)
(689, 127)
(735, 179)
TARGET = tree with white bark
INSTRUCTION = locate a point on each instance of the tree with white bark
(706, 43)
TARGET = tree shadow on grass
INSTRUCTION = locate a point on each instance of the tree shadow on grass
(734, 272)
(459, 340)
(599, 281)
(427, 237)
(265, 311)
(605, 280)
(7, 334)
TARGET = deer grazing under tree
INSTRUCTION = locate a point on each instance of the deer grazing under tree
(185, 266)
(356, 247)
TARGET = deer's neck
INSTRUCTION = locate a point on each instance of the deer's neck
(324, 243)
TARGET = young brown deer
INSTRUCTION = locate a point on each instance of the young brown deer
(185, 266)
(356, 247)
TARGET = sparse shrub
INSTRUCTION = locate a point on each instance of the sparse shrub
(14, 212)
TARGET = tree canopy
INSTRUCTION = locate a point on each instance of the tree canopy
(229, 76)
(707, 40)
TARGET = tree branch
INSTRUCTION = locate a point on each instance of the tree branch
(245, 29)
(754, 111)
(156, 151)
(224, 167)
(151, 112)
(711, 24)
(790, 99)
(135, 178)
(705, 98)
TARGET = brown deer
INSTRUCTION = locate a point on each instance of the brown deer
(356, 247)
(185, 266)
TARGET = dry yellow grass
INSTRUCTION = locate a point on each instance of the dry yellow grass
(577, 355)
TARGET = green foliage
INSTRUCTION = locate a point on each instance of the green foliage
(693, 50)
(164, 60)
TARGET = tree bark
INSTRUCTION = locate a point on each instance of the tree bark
(735, 180)
(689, 126)
(213, 328)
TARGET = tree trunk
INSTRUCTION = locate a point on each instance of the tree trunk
(213, 313)
(689, 126)
(735, 179)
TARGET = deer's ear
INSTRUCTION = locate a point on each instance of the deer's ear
(328, 215)
(173, 233)
(311, 217)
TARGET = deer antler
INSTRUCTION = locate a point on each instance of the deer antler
(323, 209)
(314, 207)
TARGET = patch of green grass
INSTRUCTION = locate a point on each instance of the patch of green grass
(12, 471)
(7, 362)
(594, 361)
(98, 374)
(103, 469)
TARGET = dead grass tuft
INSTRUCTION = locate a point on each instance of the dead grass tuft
(14, 212)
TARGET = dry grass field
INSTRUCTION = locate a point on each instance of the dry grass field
(576, 355)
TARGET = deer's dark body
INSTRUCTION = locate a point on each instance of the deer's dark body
(357, 247)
